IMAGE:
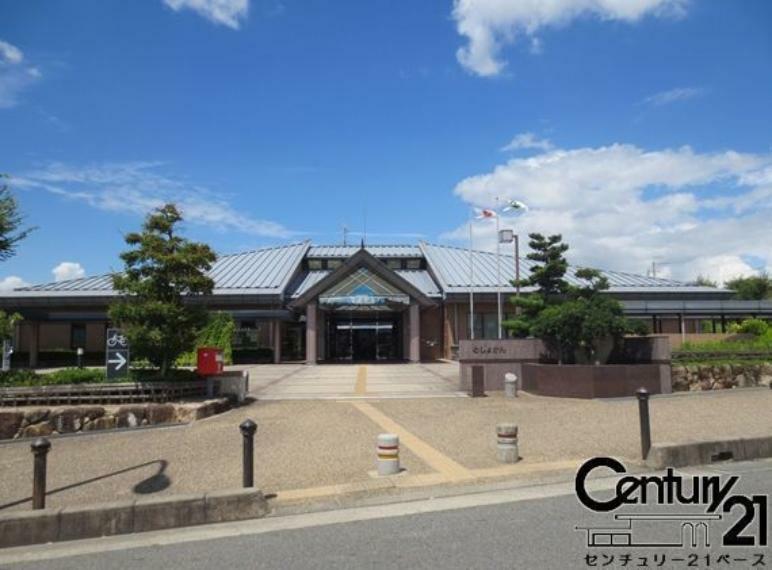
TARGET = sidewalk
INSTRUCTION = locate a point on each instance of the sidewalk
(310, 449)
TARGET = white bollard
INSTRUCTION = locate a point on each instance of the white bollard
(388, 454)
(510, 385)
(506, 443)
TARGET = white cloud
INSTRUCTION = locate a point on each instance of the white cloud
(528, 141)
(67, 270)
(15, 76)
(138, 187)
(10, 53)
(490, 24)
(674, 95)
(12, 282)
(620, 206)
(226, 12)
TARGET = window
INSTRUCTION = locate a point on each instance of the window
(486, 326)
(77, 336)
(414, 264)
(394, 263)
(314, 264)
(334, 263)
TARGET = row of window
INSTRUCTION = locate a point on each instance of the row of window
(391, 263)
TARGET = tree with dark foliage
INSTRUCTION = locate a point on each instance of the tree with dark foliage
(164, 274)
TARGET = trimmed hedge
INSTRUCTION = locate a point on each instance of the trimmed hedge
(65, 376)
(22, 377)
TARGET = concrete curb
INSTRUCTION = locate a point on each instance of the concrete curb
(107, 519)
(663, 455)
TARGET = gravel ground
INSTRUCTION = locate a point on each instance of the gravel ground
(553, 429)
(299, 444)
(306, 443)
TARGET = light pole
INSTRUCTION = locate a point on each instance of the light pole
(508, 236)
(498, 271)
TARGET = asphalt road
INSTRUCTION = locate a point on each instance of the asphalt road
(507, 528)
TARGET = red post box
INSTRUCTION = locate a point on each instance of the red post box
(209, 361)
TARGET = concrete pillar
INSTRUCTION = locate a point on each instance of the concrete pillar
(321, 335)
(34, 344)
(276, 341)
(415, 332)
(311, 333)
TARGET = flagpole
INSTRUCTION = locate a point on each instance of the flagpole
(471, 281)
(498, 269)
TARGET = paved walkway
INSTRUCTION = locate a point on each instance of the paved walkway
(306, 449)
(354, 381)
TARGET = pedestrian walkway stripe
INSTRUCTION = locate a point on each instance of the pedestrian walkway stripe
(436, 460)
(360, 388)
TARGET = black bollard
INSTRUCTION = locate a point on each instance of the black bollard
(248, 429)
(643, 412)
(40, 448)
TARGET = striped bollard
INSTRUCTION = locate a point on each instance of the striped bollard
(388, 454)
(506, 443)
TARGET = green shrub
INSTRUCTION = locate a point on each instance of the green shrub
(218, 333)
(19, 377)
(756, 327)
(75, 376)
(762, 343)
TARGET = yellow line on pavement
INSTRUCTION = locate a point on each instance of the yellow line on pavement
(436, 460)
(522, 468)
(360, 388)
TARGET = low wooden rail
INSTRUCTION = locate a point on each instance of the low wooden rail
(102, 393)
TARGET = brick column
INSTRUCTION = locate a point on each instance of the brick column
(276, 342)
(415, 332)
(311, 333)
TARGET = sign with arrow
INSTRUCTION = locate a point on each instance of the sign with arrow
(117, 354)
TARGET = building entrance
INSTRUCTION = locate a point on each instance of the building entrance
(364, 337)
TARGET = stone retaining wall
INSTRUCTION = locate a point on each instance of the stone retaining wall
(43, 421)
(696, 377)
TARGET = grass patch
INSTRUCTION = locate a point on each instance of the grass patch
(721, 361)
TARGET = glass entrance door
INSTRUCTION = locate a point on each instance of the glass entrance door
(363, 338)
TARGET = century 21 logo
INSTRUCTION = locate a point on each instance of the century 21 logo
(670, 489)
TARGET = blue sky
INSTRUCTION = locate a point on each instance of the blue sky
(640, 129)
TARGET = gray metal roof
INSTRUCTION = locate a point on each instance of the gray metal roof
(345, 251)
(305, 281)
(421, 280)
(268, 271)
(450, 265)
(262, 271)
(705, 308)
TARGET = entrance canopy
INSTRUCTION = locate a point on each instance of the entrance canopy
(363, 283)
(363, 290)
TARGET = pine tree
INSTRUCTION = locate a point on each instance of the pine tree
(163, 275)
(547, 276)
